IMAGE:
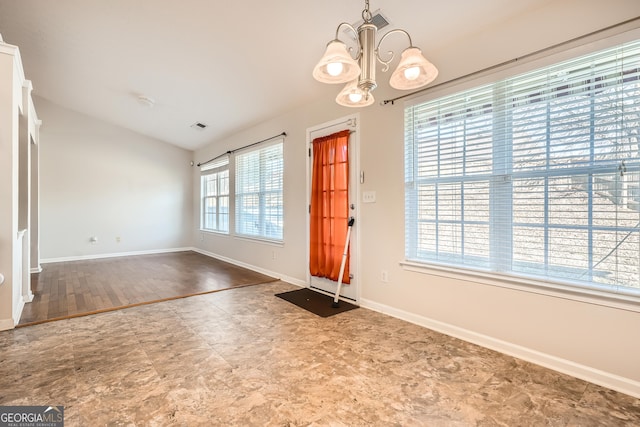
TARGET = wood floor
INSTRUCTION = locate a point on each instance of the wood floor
(77, 288)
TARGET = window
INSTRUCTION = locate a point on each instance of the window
(215, 196)
(258, 197)
(535, 176)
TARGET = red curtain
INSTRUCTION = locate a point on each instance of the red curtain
(329, 205)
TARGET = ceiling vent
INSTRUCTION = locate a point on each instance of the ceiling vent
(199, 126)
(378, 19)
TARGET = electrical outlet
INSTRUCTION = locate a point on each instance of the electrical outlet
(202, 237)
(384, 276)
(274, 255)
(118, 239)
(368, 197)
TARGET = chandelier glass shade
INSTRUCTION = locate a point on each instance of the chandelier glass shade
(413, 71)
(338, 66)
(353, 96)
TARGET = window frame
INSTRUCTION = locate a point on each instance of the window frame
(216, 170)
(558, 288)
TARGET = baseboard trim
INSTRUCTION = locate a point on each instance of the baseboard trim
(6, 324)
(294, 281)
(252, 267)
(113, 255)
(592, 375)
(36, 270)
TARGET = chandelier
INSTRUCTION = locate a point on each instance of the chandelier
(359, 73)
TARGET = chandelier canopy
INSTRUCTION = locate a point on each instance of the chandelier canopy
(359, 73)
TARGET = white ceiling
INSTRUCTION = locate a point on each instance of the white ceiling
(228, 64)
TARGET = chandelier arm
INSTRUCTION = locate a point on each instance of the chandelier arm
(355, 33)
(385, 64)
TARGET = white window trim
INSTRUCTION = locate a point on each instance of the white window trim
(258, 239)
(215, 167)
(215, 232)
(629, 301)
(589, 45)
(625, 301)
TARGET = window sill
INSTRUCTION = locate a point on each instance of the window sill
(622, 301)
(262, 240)
(243, 237)
(217, 233)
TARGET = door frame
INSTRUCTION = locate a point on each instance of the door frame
(351, 122)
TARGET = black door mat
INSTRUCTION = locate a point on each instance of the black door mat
(315, 302)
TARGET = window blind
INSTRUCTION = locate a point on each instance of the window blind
(215, 164)
(536, 175)
(259, 196)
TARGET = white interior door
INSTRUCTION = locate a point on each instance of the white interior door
(348, 291)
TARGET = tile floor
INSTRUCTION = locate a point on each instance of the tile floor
(245, 357)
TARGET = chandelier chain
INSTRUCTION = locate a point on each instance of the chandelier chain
(366, 15)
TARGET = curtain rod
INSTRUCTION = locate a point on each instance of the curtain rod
(242, 148)
(520, 58)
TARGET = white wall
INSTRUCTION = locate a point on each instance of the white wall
(590, 341)
(104, 181)
(287, 259)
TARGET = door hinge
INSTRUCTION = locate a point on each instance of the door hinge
(309, 152)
